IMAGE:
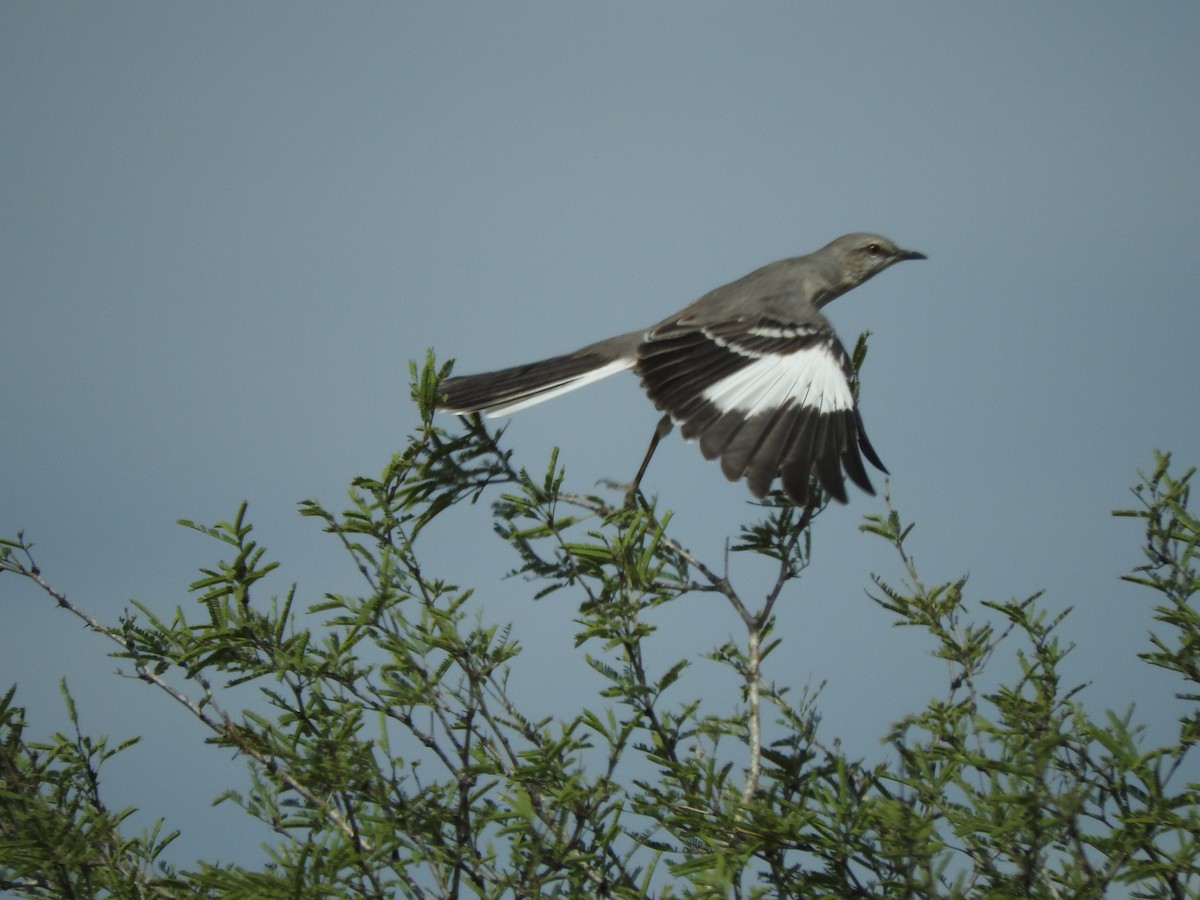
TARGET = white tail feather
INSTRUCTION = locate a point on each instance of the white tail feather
(612, 368)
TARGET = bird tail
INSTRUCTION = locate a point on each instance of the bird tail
(508, 390)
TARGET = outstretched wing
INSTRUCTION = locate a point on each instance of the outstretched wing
(770, 399)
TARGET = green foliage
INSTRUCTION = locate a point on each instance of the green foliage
(59, 838)
(389, 757)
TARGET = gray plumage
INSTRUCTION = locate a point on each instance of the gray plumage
(752, 370)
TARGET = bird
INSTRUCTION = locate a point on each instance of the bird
(752, 370)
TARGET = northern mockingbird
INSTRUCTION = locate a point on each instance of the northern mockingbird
(752, 369)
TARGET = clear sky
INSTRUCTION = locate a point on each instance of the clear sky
(227, 227)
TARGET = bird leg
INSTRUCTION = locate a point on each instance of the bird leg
(661, 430)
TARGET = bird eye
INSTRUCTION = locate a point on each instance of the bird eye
(874, 249)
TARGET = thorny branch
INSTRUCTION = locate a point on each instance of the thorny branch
(219, 722)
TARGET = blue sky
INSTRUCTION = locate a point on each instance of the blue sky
(228, 227)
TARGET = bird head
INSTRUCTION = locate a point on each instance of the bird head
(852, 259)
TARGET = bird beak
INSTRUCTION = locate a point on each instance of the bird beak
(912, 254)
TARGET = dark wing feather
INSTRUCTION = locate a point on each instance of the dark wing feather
(828, 456)
(768, 457)
(853, 465)
(716, 437)
(865, 445)
(748, 443)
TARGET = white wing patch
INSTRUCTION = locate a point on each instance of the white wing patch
(810, 377)
(563, 387)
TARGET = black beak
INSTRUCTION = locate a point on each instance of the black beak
(912, 254)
